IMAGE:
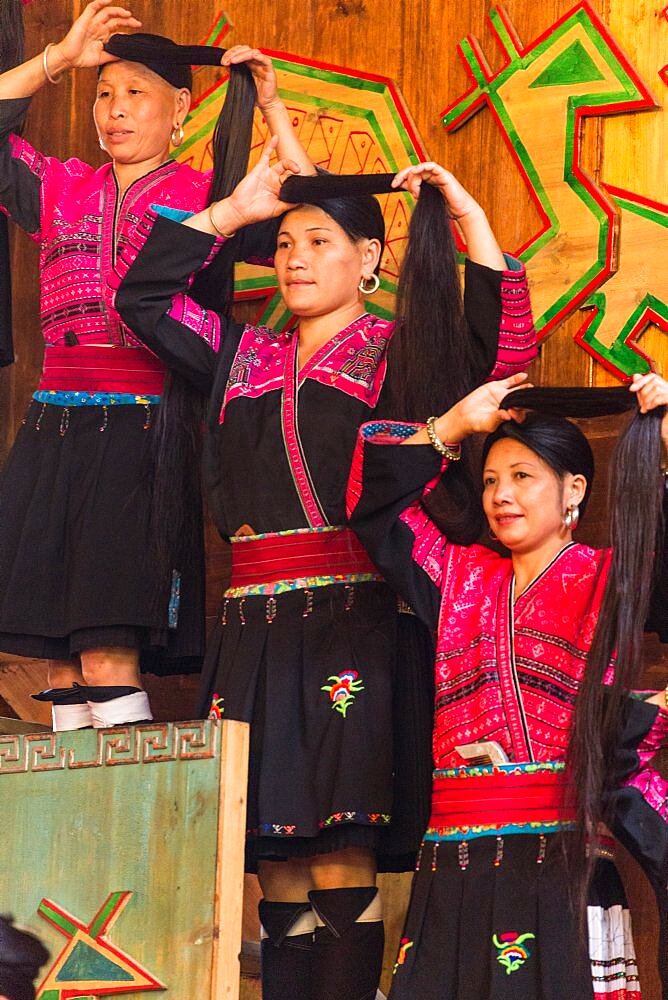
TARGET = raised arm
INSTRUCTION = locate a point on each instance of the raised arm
(255, 199)
(461, 206)
(152, 299)
(81, 46)
(270, 104)
(389, 481)
(476, 413)
(496, 295)
(152, 295)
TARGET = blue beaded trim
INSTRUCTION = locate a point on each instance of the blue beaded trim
(391, 428)
(93, 398)
(175, 214)
(174, 600)
(473, 832)
(512, 767)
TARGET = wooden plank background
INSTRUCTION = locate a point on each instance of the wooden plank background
(413, 42)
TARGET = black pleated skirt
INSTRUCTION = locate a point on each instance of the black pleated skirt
(336, 750)
(492, 920)
(77, 568)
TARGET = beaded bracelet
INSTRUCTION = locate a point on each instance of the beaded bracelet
(45, 66)
(453, 452)
(226, 236)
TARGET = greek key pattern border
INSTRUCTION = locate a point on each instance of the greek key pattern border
(145, 744)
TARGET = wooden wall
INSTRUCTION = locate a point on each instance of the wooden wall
(413, 42)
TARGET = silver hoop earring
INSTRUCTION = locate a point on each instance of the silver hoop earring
(177, 135)
(572, 516)
(102, 145)
(369, 289)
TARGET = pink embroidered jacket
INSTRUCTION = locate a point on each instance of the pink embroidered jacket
(506, 669)
(83, 224)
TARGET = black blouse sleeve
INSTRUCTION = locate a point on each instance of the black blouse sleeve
(152, 300)
(256, 243)
(388, 481)
(20, 176)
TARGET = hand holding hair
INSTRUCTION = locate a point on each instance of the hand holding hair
(254, 199)
(457, 198)
(462, 207)
(478, 411)
(652, 392)
(262, 70)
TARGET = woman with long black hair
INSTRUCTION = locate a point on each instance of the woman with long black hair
(305, 646)
(88, 580)
(537, 738)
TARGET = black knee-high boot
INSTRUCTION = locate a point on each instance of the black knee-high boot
(348, 948)
(287, 944)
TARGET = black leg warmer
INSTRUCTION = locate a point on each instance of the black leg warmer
(286, 956)
(347, 951)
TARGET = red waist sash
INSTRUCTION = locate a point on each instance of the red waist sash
(270, 558)
(501, 798)
(101, 369)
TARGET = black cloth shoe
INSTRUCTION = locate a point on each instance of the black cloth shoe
(75, 695)
(347, 955)
(286, 958)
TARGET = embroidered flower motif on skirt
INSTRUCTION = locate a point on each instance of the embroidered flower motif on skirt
(352, 816)
(342, 690)
(513, 953)
(401, 956)
(217, 709)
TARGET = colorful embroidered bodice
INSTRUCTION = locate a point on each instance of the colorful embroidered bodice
(506, 669)
(82, 224)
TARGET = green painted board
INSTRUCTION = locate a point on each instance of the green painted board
(114, 835)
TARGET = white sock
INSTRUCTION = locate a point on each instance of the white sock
(67, 718)
(305, 924)
(120, 711)
(372, 914)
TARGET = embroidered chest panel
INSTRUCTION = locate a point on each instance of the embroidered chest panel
(353, 361)
(508, 672)
(85, 226)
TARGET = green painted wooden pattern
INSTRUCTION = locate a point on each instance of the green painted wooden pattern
(580, 62)
(111, 813)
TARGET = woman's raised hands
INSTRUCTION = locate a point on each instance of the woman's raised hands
(457, 198)
(254, 199)
(83, 43)
(479, 411)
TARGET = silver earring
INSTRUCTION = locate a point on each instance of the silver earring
(369, 289)
(177, 135)
(102, 145)
(572, 516)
